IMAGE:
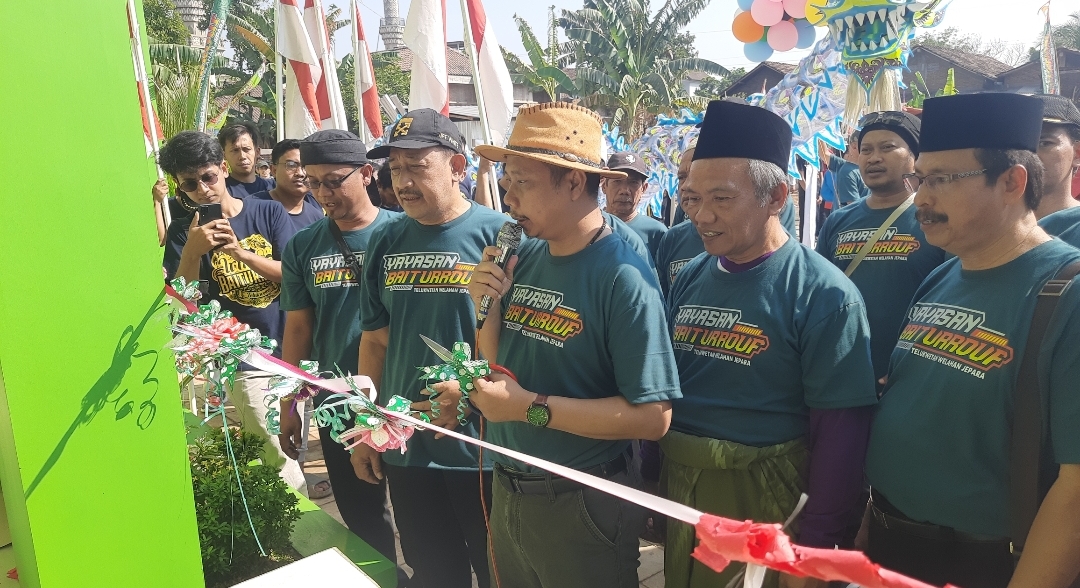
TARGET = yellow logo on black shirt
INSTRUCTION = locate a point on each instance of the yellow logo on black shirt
(238, 282)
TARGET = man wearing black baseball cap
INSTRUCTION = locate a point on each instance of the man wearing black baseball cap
(1059, 151)
(416, 276)
(624, 198)
(876, 241)
(954, 468)
(773, 352)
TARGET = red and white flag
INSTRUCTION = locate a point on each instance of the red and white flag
(495, 82)
(312, 94)
(425, 36)
(151, 125)
(367, 93)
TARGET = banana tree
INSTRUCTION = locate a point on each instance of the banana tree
(544, 69)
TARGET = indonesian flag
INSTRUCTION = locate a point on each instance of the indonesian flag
(498, 89)
(425, 36)
(312, 95)
(367, 94)
(151, 125)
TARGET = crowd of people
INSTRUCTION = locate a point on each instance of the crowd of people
(914, 375)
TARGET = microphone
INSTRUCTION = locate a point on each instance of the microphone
(508, 240)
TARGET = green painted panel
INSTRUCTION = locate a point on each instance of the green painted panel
(92, 449)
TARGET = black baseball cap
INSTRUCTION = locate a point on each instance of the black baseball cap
(626, 161)
(1059, 110)
(420, 129)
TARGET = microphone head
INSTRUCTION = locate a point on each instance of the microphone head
(509, 236)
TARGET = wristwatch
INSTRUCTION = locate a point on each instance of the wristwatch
(538, 412)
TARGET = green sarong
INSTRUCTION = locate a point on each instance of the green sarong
(762, 484)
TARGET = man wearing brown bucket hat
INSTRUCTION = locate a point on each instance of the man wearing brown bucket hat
(582, 320)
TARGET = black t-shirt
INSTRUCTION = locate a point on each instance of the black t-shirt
(239, 189)
(262, 227)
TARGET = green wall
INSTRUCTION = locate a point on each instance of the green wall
(92, 449)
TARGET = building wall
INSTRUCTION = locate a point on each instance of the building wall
(935, 72)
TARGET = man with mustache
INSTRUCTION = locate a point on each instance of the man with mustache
(894, 264)
(579, 321)
(624, 198)
(292, 188)
(416, 277)
(939, 460)
(773, 352)
(1059, 152)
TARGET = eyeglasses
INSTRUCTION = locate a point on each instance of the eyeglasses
(330, 184)
(935, 181)
(208, 179)
(294, 166)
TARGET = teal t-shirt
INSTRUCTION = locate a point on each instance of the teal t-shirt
(787, 218)
(416, 280)
(889, 275)
(680, 244)
(650, 230)
(630, 236)
(314, 275)
(1063, 224)
(587, 325)
(939, 446)
(757, 349)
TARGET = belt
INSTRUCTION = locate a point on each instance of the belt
(523, 483)
(891, 518)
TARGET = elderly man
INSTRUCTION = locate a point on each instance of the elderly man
(416, 276)
(292, 185)
(580, 322)
(876, 241)
(321, 297)
(773, 351)
(1059, 152)
(624, 198)
(939, 460)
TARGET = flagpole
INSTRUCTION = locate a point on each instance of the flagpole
(470, 46)
(144, 88)
(357, 96)
(279, 75)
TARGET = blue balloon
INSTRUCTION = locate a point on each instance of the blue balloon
(759, 51)
(746, 4)
(807, 34)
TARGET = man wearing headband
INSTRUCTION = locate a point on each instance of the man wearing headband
(1059, 151)
(939, 461)
(416, 275)
(321, 297)
(579, 321)
(773, 351)
(896, 261)
(239, 258)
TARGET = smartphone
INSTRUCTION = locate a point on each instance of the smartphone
(209, 212)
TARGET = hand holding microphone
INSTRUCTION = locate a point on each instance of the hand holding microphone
(492, 277)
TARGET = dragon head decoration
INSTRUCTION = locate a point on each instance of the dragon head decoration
(874, 40)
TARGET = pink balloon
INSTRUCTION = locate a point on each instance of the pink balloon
(766, 12)
(795, 8)
(783, 36)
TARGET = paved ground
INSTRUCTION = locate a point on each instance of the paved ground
(651, 572)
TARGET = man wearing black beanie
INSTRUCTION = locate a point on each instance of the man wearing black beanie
(887, 266)
(974, 456)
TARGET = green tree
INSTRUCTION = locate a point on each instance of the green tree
(544, 69)
(1068, 33)
(713, 88)
(163, 23)
(628, 60)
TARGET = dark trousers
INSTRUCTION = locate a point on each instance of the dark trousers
(363, 506)
(948, 558)
(441, 523)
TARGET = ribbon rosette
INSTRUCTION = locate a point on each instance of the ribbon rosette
(372, 426)
(458, 367)
(285, 387)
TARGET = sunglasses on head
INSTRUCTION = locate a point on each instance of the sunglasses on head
(192, 185)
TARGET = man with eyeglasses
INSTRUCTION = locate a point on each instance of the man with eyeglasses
(1059, 151)
(292, 185)
(944, 506)
(415, 282)
(876, 241)
(239, 259)
(624, 198)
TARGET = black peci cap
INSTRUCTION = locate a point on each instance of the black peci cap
(742, 131)
(905, 124)
(995, 120)
(333, 146)
(420, 129)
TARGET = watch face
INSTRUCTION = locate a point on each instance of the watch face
(538, 415)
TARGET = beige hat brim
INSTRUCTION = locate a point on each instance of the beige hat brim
(498, 154)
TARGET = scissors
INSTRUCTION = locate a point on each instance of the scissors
(445, 355)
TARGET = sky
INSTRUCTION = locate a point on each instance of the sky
(1009, 20)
